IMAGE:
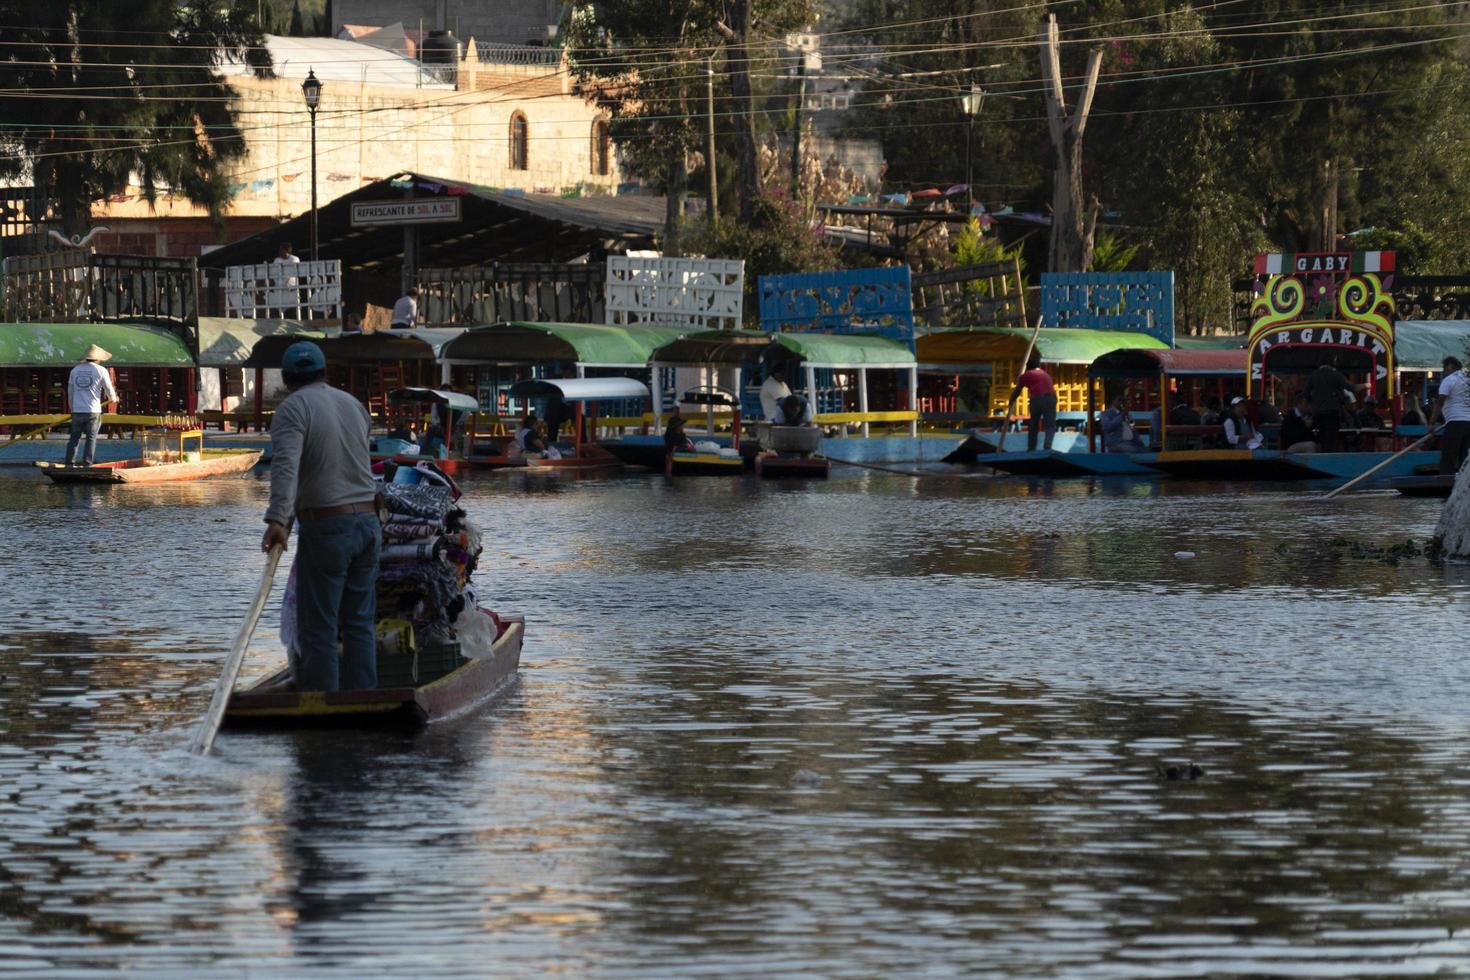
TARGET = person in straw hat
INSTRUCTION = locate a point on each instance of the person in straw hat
(88, 388)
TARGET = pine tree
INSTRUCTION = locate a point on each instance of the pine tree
(104, 92)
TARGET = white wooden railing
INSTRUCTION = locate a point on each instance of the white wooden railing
(284, 290)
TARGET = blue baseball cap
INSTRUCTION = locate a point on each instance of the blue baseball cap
(303, 357)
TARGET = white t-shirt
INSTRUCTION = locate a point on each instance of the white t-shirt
(772, 391)
(89, 387)
(1455, 390)
(406, 310)
(285, 295)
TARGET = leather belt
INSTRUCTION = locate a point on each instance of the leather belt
(341, 510)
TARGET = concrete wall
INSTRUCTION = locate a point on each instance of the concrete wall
(499, 21)
(368, 132)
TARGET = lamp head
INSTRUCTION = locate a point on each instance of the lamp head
(312, 90)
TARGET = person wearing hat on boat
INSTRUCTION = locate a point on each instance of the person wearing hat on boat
(321, 475)
(1239, 433)
(88, 388)
(1453, 407)
(1043, 399)
(675, 441)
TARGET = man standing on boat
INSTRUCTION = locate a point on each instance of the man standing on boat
(1328, 392)
(1043, 399)
(88, 389)
(321, 474)
(1453, 406)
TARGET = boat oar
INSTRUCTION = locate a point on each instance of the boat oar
(204, 738)
(1363, 476)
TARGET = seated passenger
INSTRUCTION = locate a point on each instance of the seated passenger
(1212, 415)
(1368, 417)
(1413, 413)
(1268, 413)
(1296, 428)
(1183, 413)
(1117, 431)
(434, 445)
(675, 441)
(1239, 433)
(793, 410)
(527, 433)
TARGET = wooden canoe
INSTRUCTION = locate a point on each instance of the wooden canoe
(212, 462)
(270, 704)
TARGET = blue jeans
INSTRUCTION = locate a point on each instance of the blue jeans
(83, 425)
(1043, 416)
(336, 594)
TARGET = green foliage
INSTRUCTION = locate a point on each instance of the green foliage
(644, 62)
(778, 239)
(1110, 254)
(84, 148)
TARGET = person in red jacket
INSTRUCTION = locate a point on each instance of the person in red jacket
(1043, 398)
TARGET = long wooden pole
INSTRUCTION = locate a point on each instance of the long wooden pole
(204, 738)
(1000, 446)
(1363, 476)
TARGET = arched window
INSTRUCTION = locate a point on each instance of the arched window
(518, 139)
(601, 148)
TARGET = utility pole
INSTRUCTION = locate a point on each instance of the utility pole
(714, 181)
(796, 127)
(1071, 239)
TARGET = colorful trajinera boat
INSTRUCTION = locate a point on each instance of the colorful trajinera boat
(166, 458)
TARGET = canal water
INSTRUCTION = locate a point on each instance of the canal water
(873, 726)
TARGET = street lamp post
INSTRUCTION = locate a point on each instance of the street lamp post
(312, 90)
(971, 102)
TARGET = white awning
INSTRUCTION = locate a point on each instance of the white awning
(458, 401)
(581, 389)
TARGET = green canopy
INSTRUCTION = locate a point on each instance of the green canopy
(1422, 345)
(229, 341)
(590, 344)
(1055, 345)
(62, 344)
(1211, 342)
(847, 350)
(824, 350)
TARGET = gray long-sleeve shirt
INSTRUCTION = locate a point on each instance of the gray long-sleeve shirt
(319, 452)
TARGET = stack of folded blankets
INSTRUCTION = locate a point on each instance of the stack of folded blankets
(429, 554)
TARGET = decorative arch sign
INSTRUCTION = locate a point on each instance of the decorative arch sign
(855, 301)
(1354, 312)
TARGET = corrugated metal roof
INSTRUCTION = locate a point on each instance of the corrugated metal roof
(62, 345)
(1055, 345)
(337, 60)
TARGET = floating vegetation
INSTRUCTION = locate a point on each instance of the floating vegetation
(1390, 554)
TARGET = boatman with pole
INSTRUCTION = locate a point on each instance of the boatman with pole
(1043, 402)
(88, 388)
(321, 476)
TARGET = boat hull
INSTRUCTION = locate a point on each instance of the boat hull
(214, 462)
(1424, 485)
(265, 705)
(703, 464)
(800, 467)
(1054, 464)
(1270, 464)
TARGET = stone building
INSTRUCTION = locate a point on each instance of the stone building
(500, 116)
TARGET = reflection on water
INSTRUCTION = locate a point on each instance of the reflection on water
(779, 727)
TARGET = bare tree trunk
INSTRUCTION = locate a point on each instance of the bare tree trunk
(1071, 238)
(747, 159)
(1328, 240)
(674, 186)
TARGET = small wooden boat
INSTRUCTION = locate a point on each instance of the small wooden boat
(210, 462)
(702, 464)
(272, 704)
